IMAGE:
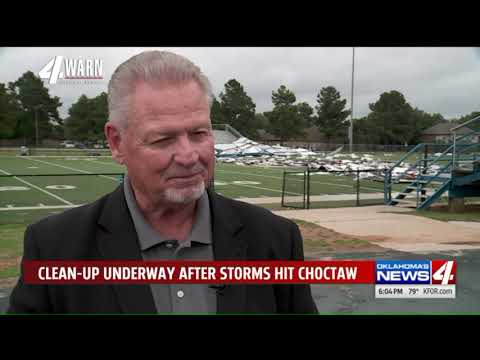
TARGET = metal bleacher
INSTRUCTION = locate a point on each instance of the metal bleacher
(456, 171)
(225, 134)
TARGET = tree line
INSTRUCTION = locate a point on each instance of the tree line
(26, 107)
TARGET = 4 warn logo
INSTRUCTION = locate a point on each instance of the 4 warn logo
(61, 67)
(444, 272)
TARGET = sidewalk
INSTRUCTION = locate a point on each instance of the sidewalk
(278, 200)
(404, 232)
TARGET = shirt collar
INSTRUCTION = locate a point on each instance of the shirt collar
(148, 237)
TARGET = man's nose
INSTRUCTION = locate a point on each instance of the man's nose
(186, 154)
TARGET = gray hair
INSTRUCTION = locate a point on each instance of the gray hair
(152, 67)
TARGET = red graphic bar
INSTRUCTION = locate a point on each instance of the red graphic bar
(197, 272)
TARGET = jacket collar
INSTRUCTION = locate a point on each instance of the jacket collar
(118, 240)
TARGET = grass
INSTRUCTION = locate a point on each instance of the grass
(313, 244)
(317, 245)
(325, 239)
(10, 272)
(441, 212)
(26, 216)
(351, 242)
(446, 216)
(324, 204)
(11, 248)
(77, 173)
(304, 223)
(11, 244)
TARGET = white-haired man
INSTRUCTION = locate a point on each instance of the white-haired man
(159, 128)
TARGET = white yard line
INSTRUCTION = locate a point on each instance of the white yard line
(70, 168)
(55, 156)
(38, 188)
(102, 162)
(262, 188)
(38, 207)
(108, 177)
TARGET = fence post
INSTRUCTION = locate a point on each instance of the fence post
(304, 190)
(358, 187)
(283, 188)
(308, 187)
(424, 172)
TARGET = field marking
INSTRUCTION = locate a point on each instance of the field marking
(46, 207)
(279, 178)
(52, 156)
(262, 188)
(70, 168)
(106, 163)
(38, 188)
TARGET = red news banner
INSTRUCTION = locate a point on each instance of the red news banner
(198, 272)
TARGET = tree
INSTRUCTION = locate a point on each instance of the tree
(465, 118)
(262, 121)
(422, 121)
(331, 114)
(365, 131)
(394, 117)
(9, 111)
(287, 120)
(36, 105)
(305, 111)
(87, 118)
(216, 115)
(238, 109)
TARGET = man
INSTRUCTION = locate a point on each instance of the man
(159, 128)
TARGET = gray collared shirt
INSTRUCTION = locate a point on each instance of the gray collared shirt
(177, 298)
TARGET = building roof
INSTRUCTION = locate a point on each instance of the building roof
(443, 128)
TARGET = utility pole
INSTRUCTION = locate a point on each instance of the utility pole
(350, 129)
(36, 127)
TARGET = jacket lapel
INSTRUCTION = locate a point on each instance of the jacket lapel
(118, 240)
(228, 244)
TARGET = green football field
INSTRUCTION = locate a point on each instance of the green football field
(60, 182)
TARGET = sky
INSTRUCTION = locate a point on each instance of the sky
(443, 80)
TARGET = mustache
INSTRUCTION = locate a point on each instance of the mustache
(176, 171)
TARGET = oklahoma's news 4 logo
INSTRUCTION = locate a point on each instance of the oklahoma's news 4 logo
(444, 272)
(64, 68)
(438, 272)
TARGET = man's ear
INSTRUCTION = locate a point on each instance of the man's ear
(114, 136)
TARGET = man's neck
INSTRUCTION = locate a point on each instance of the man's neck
(171, 220)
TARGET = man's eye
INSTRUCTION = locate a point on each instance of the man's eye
(200, 133)
(161, 141)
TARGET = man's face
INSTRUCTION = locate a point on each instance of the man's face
(168, 146)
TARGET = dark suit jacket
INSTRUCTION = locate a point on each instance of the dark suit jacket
(104, 230)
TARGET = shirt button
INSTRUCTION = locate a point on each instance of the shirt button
(180, 293)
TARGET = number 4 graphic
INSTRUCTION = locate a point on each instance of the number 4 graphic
(444, 273)
(55, 64)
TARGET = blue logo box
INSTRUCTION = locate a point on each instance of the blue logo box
(402, 272)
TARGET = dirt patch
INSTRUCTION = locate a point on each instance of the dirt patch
(320, 239)
(6, 263)
(462, 243)
(469, 208)
(8, 283)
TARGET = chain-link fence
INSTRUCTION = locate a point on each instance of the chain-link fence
(312, 188)
(294, 189)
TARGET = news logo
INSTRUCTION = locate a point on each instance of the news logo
(444, 272)
(433, 272)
